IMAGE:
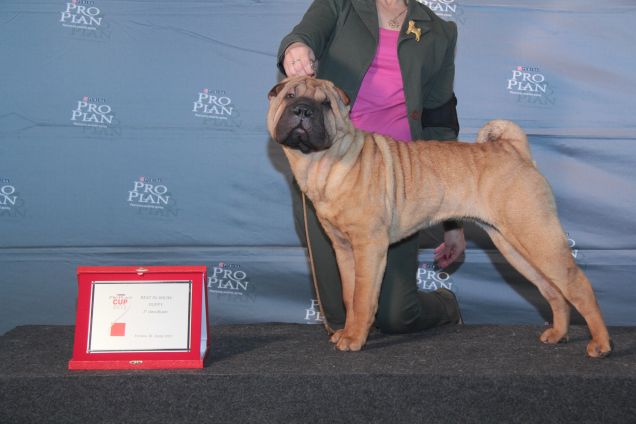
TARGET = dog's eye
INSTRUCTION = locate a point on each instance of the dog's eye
(326, 103)
(290, 95)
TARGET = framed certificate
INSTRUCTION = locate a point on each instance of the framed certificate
(141, 317)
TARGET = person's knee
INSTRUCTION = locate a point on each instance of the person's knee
(395, 322)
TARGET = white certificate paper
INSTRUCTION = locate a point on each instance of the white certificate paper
(135, 316)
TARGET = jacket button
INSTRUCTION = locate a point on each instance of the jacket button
(415, 115)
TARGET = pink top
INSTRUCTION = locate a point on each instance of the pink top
(380, 106)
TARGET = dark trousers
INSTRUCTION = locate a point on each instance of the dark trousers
(401, 309)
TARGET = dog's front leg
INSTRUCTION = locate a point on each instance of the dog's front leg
(369, 256)
(346, 267)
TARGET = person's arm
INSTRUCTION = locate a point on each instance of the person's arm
(445, 77)
(439, 114)
(314, 31)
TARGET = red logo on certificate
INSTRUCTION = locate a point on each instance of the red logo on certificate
(118, 329)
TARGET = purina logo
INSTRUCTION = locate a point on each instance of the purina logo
(216, 108)
(530, 86)
(447, 9)
(81, 14)
(11, 203)
(92, 112)
(313, 314)
(149, 193)
(430, 278)
(228, 279)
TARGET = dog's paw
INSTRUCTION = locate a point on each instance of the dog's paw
(349, 344)
(552, 336)
(599, 350)
(335, 337)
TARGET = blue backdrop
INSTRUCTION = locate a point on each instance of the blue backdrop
(133, 133)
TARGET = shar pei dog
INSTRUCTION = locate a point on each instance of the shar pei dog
(370, 191)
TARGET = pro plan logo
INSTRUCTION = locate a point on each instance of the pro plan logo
(10, 202)
(149, 193)
(530, 86)
(446, 9)
(8, 196)
(92, 112)
(216, 108)
(430, 278)
(578, 256)
(228, 279)
(313, 314)
(81, 14)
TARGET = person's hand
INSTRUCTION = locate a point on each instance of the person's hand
(452, 248)
(299, 60)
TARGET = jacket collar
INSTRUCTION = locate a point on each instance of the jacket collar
(367, 11)
(418, 12)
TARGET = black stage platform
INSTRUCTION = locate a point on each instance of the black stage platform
(291, 374)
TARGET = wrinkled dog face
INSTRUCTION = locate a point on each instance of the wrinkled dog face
(304, 112)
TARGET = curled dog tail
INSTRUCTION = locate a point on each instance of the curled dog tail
(500, 130)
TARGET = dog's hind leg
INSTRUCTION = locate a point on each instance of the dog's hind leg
(558, 304)
(533, 230)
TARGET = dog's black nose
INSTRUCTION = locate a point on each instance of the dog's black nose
(302, 110)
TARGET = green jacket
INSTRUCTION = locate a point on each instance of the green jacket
(344, 35)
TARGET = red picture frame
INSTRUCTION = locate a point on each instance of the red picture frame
(190, 354)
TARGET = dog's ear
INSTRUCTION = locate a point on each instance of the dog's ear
(275, 90)
(343, 96)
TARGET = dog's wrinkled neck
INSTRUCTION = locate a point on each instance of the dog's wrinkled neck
(313, 171)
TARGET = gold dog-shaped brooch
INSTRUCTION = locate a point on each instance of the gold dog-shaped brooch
(412, 29)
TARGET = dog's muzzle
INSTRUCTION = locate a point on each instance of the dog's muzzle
(301, 126)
